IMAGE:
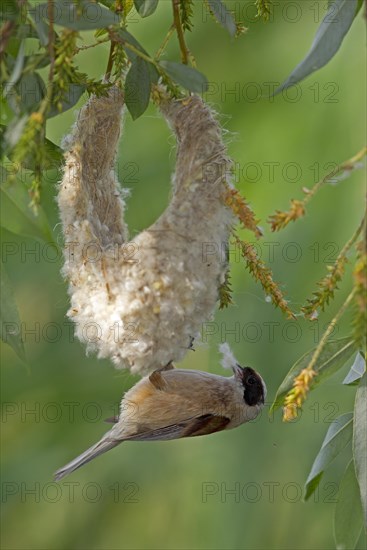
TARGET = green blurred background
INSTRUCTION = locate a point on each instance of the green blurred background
(236, 490)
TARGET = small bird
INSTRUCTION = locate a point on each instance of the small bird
(174, 403)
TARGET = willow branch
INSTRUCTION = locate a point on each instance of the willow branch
(180, 32)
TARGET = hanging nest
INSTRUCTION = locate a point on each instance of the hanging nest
(141, 302)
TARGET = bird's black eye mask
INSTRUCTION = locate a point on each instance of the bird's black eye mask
(253, 386)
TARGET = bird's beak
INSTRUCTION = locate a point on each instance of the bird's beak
(237, 371)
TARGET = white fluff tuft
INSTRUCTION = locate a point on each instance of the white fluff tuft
(228, 361)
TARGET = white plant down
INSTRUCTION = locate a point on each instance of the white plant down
(141, 302)
(228, 358)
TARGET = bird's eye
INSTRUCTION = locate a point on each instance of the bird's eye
(251, 380)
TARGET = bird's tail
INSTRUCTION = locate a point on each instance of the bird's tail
(104, 445)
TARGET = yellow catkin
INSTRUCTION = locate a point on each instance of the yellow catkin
(296, 396)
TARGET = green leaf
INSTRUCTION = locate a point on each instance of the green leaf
(223, 16)
(348, 517)
(36, 61)
(312, 485)
(32, 90)
(333, 356)
(360, 441)
(3, 174)
(327, 41)
(137, 88)
(17, 70)
(81, 16)
(145, 7)
(108, 3)
(9, 316)
(13, 132)
(18, 218)
(357, 370)
(360, 4)
(54, 154)
(130, 39)
(71, 97)
(187, 77)
(9, 10)
(37, 16)
(27, 31)
(19, 33)
(338, 435)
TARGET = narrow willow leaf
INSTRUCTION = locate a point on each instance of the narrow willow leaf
(3, 174)
(130, 39)
(36, 61)
(12, 133)
(223, 16)
(37, 16)
(26, 31)
(9, 10)
(54, 154)
(108, 3)
(338, 435)
(360, 441)
(312, 485)
(9, 317)
(145, 7)
(12, 50)
(81, 16)
(357, 370)
(71, 97)
(17, 70)
(333, 356)
(32, 90)
(327, 41)
(187, 77)
(137, 88)
(348, 517)
(360, 4)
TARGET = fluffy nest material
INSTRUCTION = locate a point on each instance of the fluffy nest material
(141, 302)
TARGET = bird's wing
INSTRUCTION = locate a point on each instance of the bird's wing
(112, 419)
(158, 382)
(199, 425)
(157, 379)
(206, 424)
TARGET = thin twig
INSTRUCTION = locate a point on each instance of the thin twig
(347, 165)
(329, 330)
(180, 32)
(303, 381)
(170, 32)
(281, 219)
(5, 33)
(51, 48)
(82, 48)
(129, 46)
(328, 284)
(119, 9)
(46, 102)
(110, 61)
(353, 238)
